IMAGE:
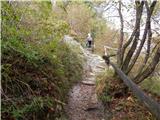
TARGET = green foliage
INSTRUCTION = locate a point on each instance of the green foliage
(20, 65)
(152, 84)
(36, 105)
(82, 19)
(34, 22)
(105, 97)
(103, 86)
(37, 69)
(24, 49)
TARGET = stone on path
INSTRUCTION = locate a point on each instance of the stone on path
(88, 82)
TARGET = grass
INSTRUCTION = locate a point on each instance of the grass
(152, 85)
(36, 85)
(103, 85)
(37, 69)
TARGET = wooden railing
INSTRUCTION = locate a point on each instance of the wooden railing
(151, 104)
(106, 48)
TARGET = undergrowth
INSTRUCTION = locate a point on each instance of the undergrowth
(31, 77)
(152, 85)
(37, 69)
(122, 107)
(103, 86)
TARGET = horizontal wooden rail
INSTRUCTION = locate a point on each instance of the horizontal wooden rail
(106, 48)
(151, 104)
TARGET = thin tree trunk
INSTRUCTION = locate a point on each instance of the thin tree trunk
(119, 52)
(148, 44)
(149, 13)
(147, 52)
(149, 70)
(139, 10)
(128, 42)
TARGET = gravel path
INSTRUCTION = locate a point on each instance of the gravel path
(83, 103)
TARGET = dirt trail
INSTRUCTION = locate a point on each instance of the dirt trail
(83, 103)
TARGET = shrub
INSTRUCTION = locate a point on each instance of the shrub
(37, 71)
(103, 86)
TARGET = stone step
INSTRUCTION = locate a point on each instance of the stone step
(87, 82)
(92, 74)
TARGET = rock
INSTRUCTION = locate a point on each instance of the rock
(88, 82)
(74, 45)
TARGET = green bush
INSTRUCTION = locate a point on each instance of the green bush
(103, 83)
(26, 72)
(37, 69)
(152, 85)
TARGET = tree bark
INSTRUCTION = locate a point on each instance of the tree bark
(149, 70)
(139, 10)
(149, 13)
(147, 51)
(119, 52)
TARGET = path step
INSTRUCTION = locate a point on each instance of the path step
(102, 67)
(92, 74)
(88, 82)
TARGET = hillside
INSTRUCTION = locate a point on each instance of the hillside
(80, 60)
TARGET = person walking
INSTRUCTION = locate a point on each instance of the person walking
(89, 40)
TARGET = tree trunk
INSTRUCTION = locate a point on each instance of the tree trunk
(149, 70)
(139, 10)
(149, 13)
(119, 52)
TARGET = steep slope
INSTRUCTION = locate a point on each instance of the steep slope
(34, 84)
